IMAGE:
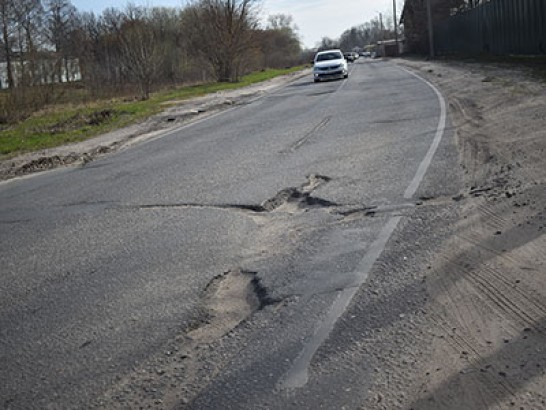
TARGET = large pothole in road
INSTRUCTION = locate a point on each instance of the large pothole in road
(298, 198)
(290, 198)
(170, 379)
(229, 299)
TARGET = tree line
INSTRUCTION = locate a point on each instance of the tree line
(362, 36)
(138, 48)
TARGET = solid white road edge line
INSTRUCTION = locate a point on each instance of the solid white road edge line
(298, 374)
(423, 167)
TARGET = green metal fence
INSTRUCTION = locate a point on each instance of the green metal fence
(496, 27)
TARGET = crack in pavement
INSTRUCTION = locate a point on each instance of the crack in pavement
(375, 209)
(288, 195)
(189, 205)
(372, 210)
(308, 135)
(299, 196)
(291, 196)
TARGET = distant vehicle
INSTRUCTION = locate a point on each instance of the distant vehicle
(349, 57)
(329, 64)
(366, 54)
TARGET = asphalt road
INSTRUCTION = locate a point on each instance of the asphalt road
(105, 265)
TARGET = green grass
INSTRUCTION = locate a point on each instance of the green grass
(66, 124)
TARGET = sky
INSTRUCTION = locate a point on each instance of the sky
(315, 18)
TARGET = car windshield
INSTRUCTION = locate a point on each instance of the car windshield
(328, 56)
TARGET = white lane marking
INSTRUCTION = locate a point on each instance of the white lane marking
(298, 375)
(423, 167)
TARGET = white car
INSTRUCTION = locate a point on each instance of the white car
(329, 64)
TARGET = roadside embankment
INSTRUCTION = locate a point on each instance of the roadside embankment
(487, 286)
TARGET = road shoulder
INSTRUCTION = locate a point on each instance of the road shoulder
(479, 341)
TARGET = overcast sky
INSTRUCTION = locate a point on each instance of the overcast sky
(314, 18)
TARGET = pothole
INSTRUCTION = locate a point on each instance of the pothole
(296, 198)
(229, 299)
(299, 197)
(171, 378)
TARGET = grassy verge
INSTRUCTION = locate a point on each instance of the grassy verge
(60, 125)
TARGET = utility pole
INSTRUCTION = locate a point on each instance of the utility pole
(381, 26)
(395, 26)
(430, 31)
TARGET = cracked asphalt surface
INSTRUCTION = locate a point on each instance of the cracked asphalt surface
(105, 265)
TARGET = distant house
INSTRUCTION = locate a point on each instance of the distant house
(389, 48)
(46, 69)
(414, 19)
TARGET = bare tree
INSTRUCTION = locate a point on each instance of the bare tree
(166, 24)
(28, 18)
(279, 42)
(142, 54)
(7, 22)
(222, 32)
(281, 22)
(327, 43)
(86, 42)
(361, 36)
(61, 22)
(110, 22)
(206, 39)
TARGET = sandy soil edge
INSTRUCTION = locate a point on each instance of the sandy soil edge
(486, 288)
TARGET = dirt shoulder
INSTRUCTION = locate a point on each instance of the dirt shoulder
(175, 115)
(486, 287)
